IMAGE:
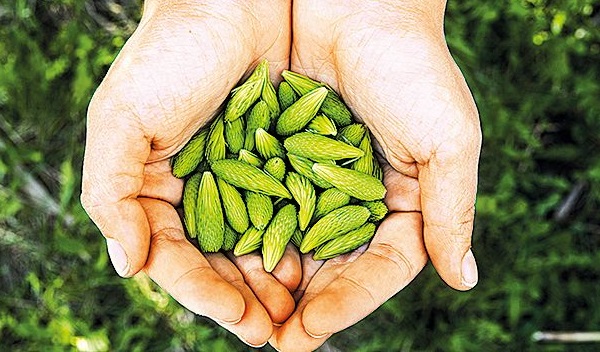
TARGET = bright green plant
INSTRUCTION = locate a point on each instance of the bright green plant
(533, 68)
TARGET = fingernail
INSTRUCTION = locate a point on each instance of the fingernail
(315, 336)
(118, 257)
(255, 346)
(228, 322)
(469, 270)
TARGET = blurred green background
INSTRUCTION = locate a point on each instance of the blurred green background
(533, 66)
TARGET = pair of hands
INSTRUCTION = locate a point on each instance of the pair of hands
(389, 62)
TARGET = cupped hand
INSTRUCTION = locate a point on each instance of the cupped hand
(169, 80)
(391, 65)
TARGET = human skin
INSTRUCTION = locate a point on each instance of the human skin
(169, 80)
(390, 63)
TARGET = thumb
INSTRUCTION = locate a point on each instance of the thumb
(448, 184)
(116, 152)
(112, 179)
(148, 103)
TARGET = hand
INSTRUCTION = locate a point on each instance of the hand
(170, 79)
(390, 63)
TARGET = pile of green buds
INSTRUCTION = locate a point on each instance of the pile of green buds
(281, 166)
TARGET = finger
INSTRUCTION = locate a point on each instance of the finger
(112, 179)
(289, 269)
(393, 259)
(292, 337)
(143, 102)
(255, 327)
(448, 184)
(179, 268)
(328, 270)
(403, 193)
(274, 296)
(309, 269)
(292, 333)
(159, 183)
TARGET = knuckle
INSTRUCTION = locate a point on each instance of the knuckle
(100, 104)
(358, 286)
(181, 282)
(390, 254)
(458, 141)
(457, 224)
(86, 200)
(254, 273)
(168, 234)
(89, 201)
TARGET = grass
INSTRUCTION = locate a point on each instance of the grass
(532, 66)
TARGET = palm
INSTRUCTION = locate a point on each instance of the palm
(169, 80)
(406, 88)
(172, 77)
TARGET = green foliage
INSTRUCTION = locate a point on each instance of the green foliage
(533, 68)
(58, 289)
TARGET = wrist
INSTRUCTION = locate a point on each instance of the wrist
(419, 15)
(408, 16)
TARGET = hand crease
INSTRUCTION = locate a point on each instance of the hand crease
(168, 234)
(357, 286)
(94, 200)
(415, 211)
(181, 279)
(252, 272)
(391, 254)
